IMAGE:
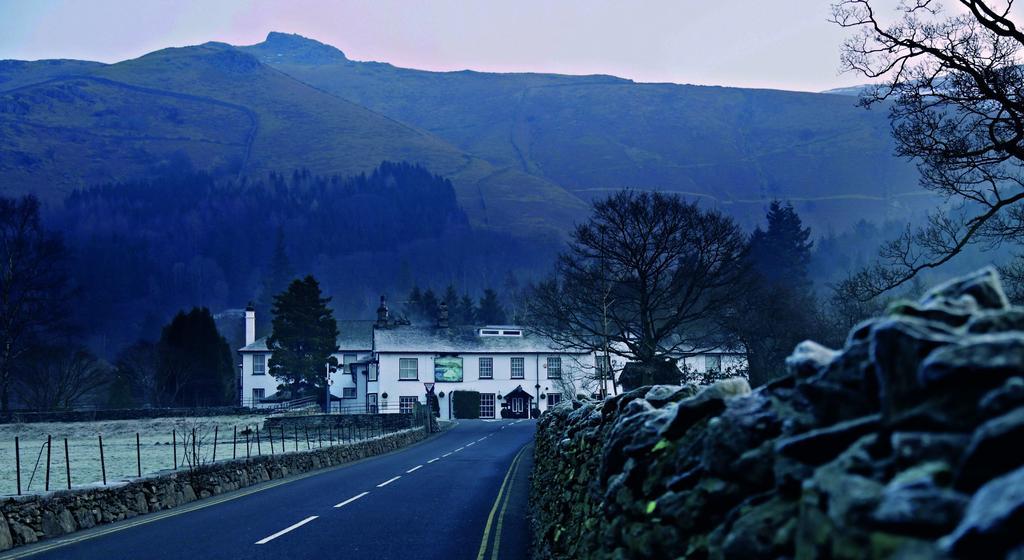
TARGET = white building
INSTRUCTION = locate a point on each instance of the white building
(385, 365)
(355, 351)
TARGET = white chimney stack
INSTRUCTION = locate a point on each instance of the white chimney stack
(250, 324)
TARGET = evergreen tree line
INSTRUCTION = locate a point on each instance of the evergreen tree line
(142, 250)
(424, 306)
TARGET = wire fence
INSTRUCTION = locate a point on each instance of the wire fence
(43, 464)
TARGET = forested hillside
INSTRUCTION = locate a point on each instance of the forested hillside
(144, 249)
(225, 113)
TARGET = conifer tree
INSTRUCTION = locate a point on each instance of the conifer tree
(428, 307)
(195, 366)
(779, 309)
(304, 338)
(451, 300)
(465, 310)
(275, 280)
(490, 311)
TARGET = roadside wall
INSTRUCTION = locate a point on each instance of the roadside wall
(343, 422)
(28, 519)
(906, 443)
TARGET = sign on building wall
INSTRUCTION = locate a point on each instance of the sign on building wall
(448, 369)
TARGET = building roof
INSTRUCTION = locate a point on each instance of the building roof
(352, 335)
(462, 340)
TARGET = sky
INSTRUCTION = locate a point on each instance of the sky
(782, 44)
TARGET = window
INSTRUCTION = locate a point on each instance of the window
(257, 395)
(405, 404)
(487, 369)
(553, 399)
(554, 367)
(348, 358)
(518, 368)
(371, 403)
(348, 392)
(713, 363)
(259, 364)
(489, 332)
(408, 368)
(512, 333)
(373, 373)
(486, 405)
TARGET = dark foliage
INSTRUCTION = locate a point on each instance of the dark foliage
(778, 310)
(490, 310)
(636, 374)
(304, 338)
(144, 249)
(34, 286)
(194, 362)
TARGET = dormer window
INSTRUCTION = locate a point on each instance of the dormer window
(492, 331)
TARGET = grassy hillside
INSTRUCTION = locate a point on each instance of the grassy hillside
(221, 109)
(735, 147)
(523, 150)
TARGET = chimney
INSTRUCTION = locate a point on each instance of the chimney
(250, 324)
(383, 315)
(442, 315)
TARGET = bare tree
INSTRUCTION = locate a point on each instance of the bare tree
(58, 377)
(33, 285)
(139, 365)
(645, 278)
(957, 89)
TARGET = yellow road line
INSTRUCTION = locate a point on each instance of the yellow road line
(501, 516)
(497, 501)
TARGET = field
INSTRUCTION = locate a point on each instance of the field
(156, 450)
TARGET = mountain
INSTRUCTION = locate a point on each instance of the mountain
(215, 107)
(734, 147)
(525, 151)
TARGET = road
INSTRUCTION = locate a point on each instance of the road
(461, 494)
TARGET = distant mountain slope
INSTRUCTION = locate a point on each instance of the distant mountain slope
(591, 134)
(222, 109)
(524, 151)
(17, 73)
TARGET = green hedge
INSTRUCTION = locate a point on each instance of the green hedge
(466, 404)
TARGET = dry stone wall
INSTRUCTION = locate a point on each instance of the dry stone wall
(906, 443)
(28, 519)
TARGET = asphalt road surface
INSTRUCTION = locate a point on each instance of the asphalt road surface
(459, 495)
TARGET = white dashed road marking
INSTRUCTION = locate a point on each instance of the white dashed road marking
(414, 468)
(389, 481)
(434, 459)
(283, 531)
(352, 499)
